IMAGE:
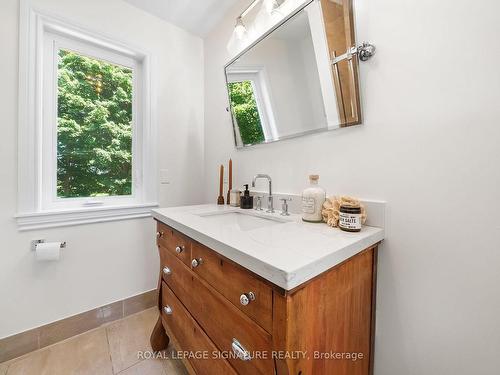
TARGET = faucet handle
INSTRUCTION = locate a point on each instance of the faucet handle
(258, 204)
(284, 206)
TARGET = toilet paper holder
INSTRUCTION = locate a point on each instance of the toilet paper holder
(36, 242)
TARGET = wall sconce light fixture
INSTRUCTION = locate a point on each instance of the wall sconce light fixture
(240, 30)
(269, 5)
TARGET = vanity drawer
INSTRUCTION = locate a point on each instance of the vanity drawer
(174, 242)
(178, 277)
(224, 324)
(220, 319)
(191, 337)
(233, 282)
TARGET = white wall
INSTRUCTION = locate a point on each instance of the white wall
(293, 101)
(429, 145)
(111, 261)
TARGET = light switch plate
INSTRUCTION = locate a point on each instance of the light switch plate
(164, 176)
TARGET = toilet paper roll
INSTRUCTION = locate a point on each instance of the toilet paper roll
(48, 251)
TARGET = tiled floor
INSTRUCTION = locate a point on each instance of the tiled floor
(111, 349)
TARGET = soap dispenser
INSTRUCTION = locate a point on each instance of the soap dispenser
(246, 200)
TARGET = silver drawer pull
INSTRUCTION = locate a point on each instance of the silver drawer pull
(168, 310)
(159, 234)
(196, 262)
(246, 298)
(167, 271)
(240, 351)
(179, 249)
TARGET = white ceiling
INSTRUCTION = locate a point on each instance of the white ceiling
(196, 16)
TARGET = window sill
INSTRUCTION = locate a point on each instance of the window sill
(64, 218)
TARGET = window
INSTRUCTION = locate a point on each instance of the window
(251, 104)
(246, 112)
(94, 127)
(87, 142)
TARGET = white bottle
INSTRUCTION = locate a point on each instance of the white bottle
(313, 198)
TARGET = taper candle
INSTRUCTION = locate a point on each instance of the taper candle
(220, 199)
(230, 180)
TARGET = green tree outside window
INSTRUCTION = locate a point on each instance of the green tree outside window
(94, 127)
(246, 112)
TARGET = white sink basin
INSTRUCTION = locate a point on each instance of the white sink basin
(241, 221)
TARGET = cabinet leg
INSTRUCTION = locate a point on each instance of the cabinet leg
(159, 339)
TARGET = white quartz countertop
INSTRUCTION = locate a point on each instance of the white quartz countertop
(286, 253)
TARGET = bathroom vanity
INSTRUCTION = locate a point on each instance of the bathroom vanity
(245, 292)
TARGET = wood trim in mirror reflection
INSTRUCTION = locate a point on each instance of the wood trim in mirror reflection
(339, 25)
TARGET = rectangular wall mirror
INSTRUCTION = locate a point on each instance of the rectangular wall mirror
(285, 85)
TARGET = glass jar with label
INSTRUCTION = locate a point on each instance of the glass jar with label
(234, 197)
(313, 198)
(350, 218)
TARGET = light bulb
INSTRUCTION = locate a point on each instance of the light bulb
(270, 5)
(240, 30)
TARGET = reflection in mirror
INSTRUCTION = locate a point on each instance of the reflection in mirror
(285, 85)
(339, 28)
(246, 111)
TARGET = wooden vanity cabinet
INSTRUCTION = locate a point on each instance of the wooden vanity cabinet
(239, 323)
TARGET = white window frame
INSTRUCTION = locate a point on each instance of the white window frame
(41, 36)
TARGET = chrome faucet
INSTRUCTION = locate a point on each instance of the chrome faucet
(270, 204)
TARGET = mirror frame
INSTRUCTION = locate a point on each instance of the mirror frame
(249, 47)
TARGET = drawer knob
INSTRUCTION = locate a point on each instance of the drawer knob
(167, 271)
(240, 351)
(246, 298)
(168, 310)
(179, 249)
(159, 234)
(196, 262)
